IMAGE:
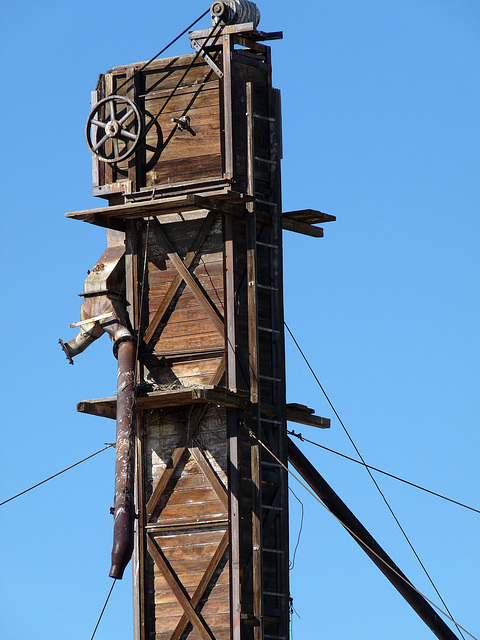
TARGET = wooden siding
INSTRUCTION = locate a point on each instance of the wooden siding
(186, 327)
(166, 156)
(188, 520)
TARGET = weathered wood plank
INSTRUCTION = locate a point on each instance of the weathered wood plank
(188, 512)
(190, 496)
(174, 460)
(310, 216)
(302, 227)
(209, 472)
(217, 592)
(189, 580)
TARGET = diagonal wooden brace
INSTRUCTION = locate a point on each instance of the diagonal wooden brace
(203, 300)
(189, 258)
(178, 589)
(174, 460)
(203, 584)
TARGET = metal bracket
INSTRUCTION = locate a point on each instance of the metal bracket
(183, 124)
(198, 47)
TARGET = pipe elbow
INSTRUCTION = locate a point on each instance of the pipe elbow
(87, 334)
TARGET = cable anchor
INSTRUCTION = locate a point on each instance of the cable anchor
(183, 124)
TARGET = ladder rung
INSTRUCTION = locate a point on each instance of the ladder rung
(277, 595)
(266, 286)
(267, 244)
(270, 378)
(271, 464)
(268, 330)
(265, 160)
(270, 204)
(271, 420)
(267, 118)
(272, 508)
(275, 637)
(279, 551)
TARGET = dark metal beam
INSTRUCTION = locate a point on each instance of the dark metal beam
(371, 547)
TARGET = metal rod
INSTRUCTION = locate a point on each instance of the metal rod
(125, 460)
(366, 541)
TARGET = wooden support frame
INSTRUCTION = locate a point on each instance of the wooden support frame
(153, 529)
(204, 301)
(167, 299)
(178, 589)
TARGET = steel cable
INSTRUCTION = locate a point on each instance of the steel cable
(56, 474)
(372, 477)
(103, 610)
(144, 66)
(385, 473)
(354, 535)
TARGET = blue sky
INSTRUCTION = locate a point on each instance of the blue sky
(381, 128)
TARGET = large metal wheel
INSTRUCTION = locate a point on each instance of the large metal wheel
(113, 129)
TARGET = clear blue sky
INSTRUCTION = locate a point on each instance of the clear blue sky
(381, 128)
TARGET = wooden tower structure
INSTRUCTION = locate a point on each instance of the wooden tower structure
(186, 151)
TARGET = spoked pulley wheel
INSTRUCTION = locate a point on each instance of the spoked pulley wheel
(113, 129)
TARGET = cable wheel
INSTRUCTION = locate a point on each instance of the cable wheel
(113, 129)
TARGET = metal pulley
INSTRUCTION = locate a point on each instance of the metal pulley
(113, 129)
(235, 12)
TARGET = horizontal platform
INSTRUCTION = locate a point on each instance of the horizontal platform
(116, 215)
(228, 203)
(301, 414)
(309, 216)
(304, 221)
(107, 407)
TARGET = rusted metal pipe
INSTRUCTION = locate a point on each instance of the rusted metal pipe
(87, 334)
(104, 311)
(368, 543)
(124, 510)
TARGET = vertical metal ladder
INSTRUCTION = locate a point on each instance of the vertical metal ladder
(264, 251)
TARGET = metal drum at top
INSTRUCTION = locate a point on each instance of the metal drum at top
(235, 12)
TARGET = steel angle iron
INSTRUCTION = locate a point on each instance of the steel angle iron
(113, 129)
(235, 12)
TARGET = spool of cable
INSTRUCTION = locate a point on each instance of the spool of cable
(234, 12)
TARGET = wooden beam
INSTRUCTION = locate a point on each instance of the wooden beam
(221, 206)
(302, 227)
(311, 216)
(301, 414)
(107, 407)
(210, 474)
(159, 206)
(218, 375)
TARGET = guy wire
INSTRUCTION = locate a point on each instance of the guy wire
(371, 476)
(363, 544)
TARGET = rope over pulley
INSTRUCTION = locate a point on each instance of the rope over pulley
(226, 12)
